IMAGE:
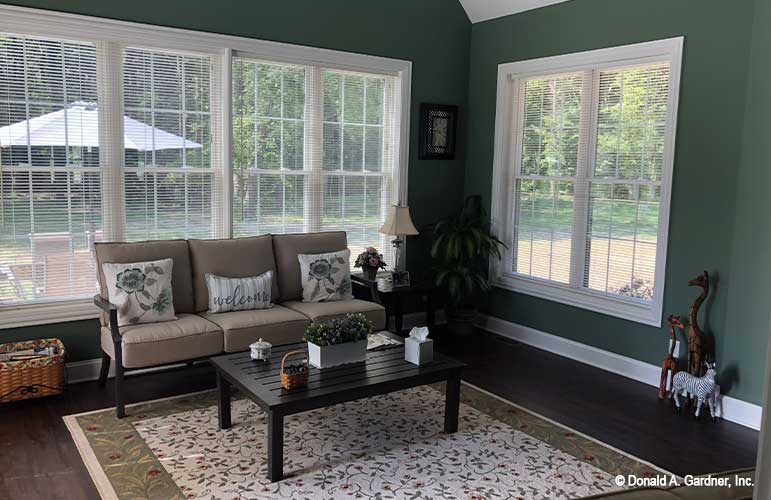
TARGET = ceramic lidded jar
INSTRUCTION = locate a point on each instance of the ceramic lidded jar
(260, 350)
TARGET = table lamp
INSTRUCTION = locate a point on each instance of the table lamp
(398, 223)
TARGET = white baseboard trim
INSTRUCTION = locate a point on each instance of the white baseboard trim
(731, 409)
(88, 369)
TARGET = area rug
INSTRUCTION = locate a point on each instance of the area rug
(385, 447)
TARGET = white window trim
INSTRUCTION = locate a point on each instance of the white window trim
(18, 316)
(502, 212)
(112, 33)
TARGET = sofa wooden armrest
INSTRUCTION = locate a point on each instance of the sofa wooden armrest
(111, 309)
(104, 304)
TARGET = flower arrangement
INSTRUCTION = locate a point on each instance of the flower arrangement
(370, 258)
(352, 328)
(370, 261)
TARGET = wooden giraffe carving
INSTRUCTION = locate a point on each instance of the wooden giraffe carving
(670, 363)
(695, 334)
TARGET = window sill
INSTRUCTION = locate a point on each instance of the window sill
(647, 314)
(47, 313)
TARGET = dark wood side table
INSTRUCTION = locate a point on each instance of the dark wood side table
(382, 291)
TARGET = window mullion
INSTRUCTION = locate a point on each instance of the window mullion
(312, 149)
(109, 70)
(587, 144)
(220, 107)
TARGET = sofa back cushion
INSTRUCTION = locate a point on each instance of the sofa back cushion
(288, 246)
(231, 258)
(177, 250)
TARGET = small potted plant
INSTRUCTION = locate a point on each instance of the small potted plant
(370, 262)
(338, 341)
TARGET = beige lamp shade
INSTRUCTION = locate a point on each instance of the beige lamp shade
(398, 222)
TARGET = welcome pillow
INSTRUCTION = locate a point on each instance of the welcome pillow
(141, 291)
(326, 277)
(239, 294)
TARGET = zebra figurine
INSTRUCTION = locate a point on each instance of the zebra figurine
(703, 389)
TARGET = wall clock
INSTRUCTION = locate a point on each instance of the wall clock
(438, 123)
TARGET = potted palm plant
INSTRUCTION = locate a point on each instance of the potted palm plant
(462, 246)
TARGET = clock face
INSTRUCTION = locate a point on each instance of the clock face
(439, 126)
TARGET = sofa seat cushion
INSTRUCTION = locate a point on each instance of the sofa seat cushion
(277, 325)
(323, 311)
(150, 344)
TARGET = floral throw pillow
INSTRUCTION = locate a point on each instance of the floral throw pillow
(326, 277)
(141, 291)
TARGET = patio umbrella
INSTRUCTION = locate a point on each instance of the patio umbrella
(81, 119)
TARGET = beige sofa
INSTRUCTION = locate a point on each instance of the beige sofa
(196, 334)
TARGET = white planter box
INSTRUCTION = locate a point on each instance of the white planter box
(339, 354)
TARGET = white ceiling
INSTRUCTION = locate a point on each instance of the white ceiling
(482, 10)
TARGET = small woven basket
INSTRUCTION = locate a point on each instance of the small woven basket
(32, 378)
(294, 380)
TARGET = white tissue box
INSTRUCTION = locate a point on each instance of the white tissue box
(417, 352)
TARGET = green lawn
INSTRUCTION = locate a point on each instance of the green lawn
(541, 213)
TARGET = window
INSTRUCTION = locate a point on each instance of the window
(269, 123)
(50, 174)
(111, 131)
(169, 173)
(357, 165)
(312, 151)
(584, 149)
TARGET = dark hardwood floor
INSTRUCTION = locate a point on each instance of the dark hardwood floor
(616, 410)
(38, 459)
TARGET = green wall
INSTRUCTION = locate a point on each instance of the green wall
(709, 139)
(744, 339)
(433, 34)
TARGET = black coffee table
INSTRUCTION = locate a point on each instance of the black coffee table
(384, 371)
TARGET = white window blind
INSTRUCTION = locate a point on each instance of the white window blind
(625, 192)
(545, 189)
(591, 221)
(312, 151)
(50, 175)
(584, 153)
(170, 167)
(268, 148)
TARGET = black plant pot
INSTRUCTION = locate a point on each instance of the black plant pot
(461, 319)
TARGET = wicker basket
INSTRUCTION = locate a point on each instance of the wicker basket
(32, 378)
(294, 380)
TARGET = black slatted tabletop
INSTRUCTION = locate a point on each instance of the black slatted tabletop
(261, 381)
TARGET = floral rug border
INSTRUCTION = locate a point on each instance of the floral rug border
(113, 450)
